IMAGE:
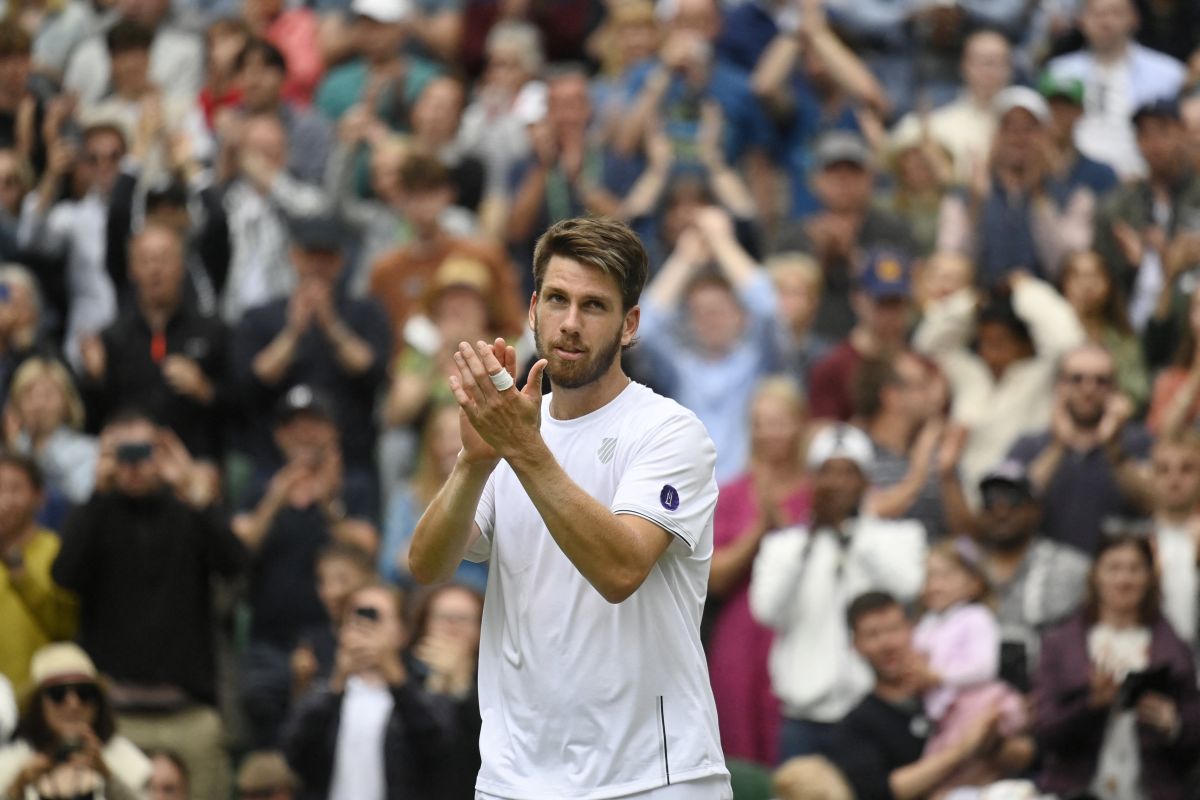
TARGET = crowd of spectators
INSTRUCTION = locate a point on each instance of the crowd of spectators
(928, 272)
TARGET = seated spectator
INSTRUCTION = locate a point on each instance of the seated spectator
(1175, 463)
(45, 420)
(1175, 405)
(839, 554)
(319, 337)
(161, 355)
(797, 279)
(881, 303)
(168, 777)
(1000, 360)
(846, 226)
(265, 774)
(772, 493)
(1099, 728)
(141, 555)
(372, 732)
(304, 507)
(21, 334)
(914, 472)
(1015, 216)
(1090, 465)
(34, 611)
(436, 120)
(67, 736)
(1119, 75)
(716, 329)
(1036, 582)
(879, 745)
(1087, 284)
(1069, 167)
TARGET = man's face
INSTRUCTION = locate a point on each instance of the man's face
(1162, 143)
(844, 187)
(102, 154)
(14, 72)
(999, 346)
(423, 208)
(1064, 115)
(1018, 136)
(578, 322)
(130, 71)
(714, 317)
(265, 137)
(1008, 518)
(322, 266)
(884, 639)
(987, 64)
(438, 109)
(911, 392)
(1087, 381)
(261, 83)
(1107, 24)
(371, 623)
(701, 17)
(147, 12)
(19, 499)
(886, 317)
(135, 477)
(377, 41)
(568, 105)
(337, 578)
(797, 297)
(461, 314)
(307, 439)
(156, 268)
(1176, 477)
(838, 489)
(166, 781)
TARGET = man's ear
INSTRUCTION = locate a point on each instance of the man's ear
(633, 319)
(533, 298)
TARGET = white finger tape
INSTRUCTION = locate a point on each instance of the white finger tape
(502, 380)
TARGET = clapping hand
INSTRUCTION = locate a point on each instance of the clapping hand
(501, 423)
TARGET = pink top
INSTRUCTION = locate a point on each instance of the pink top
(962, 645)
(295, 34)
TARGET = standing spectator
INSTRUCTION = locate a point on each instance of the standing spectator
(1119, 76)
(295, 33)
(797, 279)
(1176, 401)
(161, 355)
(804, 578)
(334, 344)
(1091, 463)
(772, 493)
(1069, 166)
(1096, 728)
(436, 120)
(141, 555)
(33, 610)
(168, 778)
(920, 171)
(224, 41)
(1176, 470)
(373, 732)
(1037, 582)
(70, 710)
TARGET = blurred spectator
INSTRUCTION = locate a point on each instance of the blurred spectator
(563, 26)
(1170, 26)
(304, 506)
(261, 201)
(294, 32)
(224, 41)
(21, 335)
(629, 38)
(373, 732)
(261, 77)
(33, 610)
(436, 118)
(810, 778)
(847, 225)
(161, 355)
(1119, 76)
(881, 307)
(176, 54)
(900, 403)
(22, 110)
(920, 168)
(1088, 286)
(771, 494)
(1189, 112)
(401, 277)
(879, 745)
(44, 420)
(1091, 463)
(1176, 465)
(16, 179)
(8, 709)
(265, 774)
(1037, 582)
(1069, 166)
(72, 227)
(1116, 706)
(57, 30)
(716, 329)
(334, 344)
(67, 743)
(141, 555)
(965, 126)
(1000, 359)
(804, 577)
(168, 778)
(1014, 217)
(797, 279)
(380, 71)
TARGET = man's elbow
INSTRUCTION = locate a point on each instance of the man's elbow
(620, 586)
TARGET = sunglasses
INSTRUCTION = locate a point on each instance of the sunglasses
(1007, 496)
(87, 693)
(1104, 381)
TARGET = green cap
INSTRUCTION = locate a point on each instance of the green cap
(1052, 86)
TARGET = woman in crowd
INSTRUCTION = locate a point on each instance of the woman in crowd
(1176, 400)
(772, 493)
(66, 742)
(1116, 708)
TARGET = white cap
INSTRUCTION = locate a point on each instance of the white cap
(1022, 97)
(386, 11)
(841, 441)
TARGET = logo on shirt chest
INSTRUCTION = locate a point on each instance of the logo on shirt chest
(608, 448)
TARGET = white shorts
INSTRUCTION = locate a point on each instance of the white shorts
(713, 787)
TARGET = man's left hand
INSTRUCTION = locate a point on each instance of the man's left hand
(507, 420)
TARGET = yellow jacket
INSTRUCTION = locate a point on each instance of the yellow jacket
(33, 610)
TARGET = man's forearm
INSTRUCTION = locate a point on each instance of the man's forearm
(353, 354)
(917, 779)
(442, 534)
(272, 363)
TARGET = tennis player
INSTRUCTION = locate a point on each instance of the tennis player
(594, 507)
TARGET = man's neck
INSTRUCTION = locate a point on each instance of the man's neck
(1175, 517)
(1111, 55)
(892, 431)
(157, 317)
(894, 692)
(568, 404)
(1003, 563)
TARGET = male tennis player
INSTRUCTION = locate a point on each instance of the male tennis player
(594, 507)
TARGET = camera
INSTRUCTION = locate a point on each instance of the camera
(134, 452)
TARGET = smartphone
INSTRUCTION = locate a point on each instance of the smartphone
(1136, 684)
(65, 749)
(134, 452)
(367, 613)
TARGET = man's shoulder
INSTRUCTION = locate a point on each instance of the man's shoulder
(1058, 556)
(1029, 446)
(1159, 61)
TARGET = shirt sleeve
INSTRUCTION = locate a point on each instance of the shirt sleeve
(480, 549)
(670, 481)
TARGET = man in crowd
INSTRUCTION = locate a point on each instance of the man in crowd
(1069, 166)
(1175, 462)
(804, 576)
(21, 330)
(141, 556)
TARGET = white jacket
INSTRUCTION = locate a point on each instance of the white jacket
(802, 588)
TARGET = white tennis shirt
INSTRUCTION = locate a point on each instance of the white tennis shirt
(581, 698)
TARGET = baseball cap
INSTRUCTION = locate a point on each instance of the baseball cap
(1010, 473)
(886, 274)
(386, 11)
(61, 661)
(1021, 97)
(325, 233)
(265, 769)
(840, 441)
(302, 399)
(1052, 86)
(841, 147)
(1161, 108)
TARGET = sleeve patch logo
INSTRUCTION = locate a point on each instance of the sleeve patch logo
(669, 498)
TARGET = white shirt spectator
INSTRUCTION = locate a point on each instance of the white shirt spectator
(176, 65)
(358, 768)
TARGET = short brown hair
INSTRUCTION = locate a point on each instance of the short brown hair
(422, 173)
(605, 244)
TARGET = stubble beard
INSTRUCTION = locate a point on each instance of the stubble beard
(576, 374)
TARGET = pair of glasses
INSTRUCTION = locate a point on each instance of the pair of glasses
(1006, 496)
(87, 693)
(1104, 381)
